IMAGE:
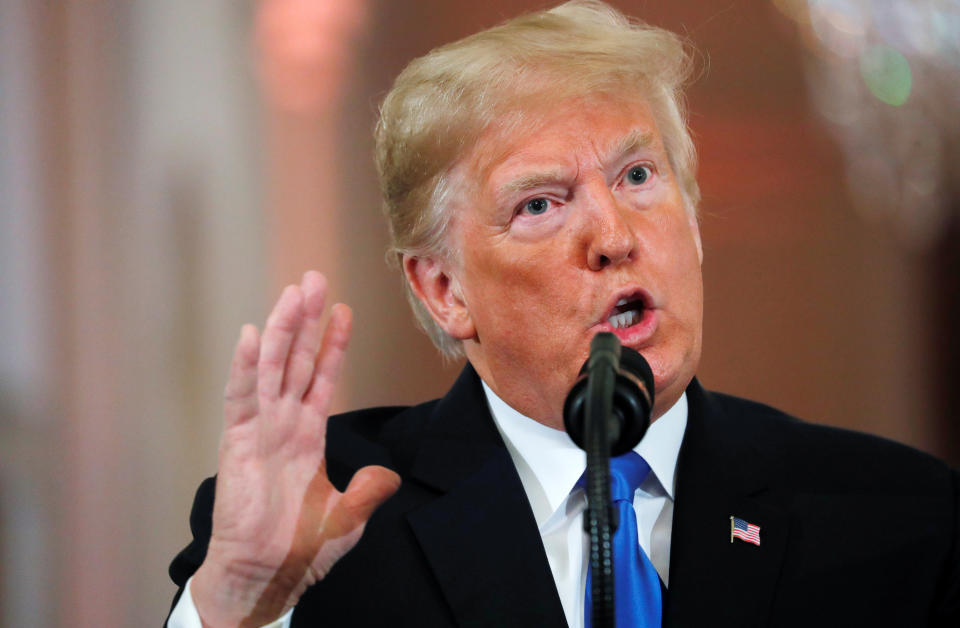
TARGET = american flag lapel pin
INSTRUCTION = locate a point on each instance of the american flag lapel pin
(740, 529)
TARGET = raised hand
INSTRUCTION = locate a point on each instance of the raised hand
(278, 523)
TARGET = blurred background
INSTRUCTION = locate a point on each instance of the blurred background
(166, 166)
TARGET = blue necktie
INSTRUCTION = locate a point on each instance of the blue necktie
(636, 583)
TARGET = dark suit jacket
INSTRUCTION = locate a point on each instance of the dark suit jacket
(855, 530)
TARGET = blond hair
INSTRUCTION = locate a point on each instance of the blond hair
(442, 103)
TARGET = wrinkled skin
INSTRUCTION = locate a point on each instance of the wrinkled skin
(278, 523)
(560, 220)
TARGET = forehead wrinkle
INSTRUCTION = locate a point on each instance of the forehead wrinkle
(634, 140)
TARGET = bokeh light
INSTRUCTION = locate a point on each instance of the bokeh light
(839, 25)
(886, 73)
(885, 76)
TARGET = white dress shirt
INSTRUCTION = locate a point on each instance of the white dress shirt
(185, 614)
(549, 465)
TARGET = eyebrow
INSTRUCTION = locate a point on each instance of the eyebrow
(531, 181)
(632, 142)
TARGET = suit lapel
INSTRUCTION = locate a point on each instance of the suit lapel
(482, 543)
(719, 475)
(479, 536)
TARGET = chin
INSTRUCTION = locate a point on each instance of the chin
(674, 376)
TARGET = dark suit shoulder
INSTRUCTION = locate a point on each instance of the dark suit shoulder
(850, 522)
(824, 455)
(374, 436)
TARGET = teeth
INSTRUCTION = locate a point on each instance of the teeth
(623, 301)
(625, 319)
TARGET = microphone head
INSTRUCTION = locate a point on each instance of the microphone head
(631, 407)
(632, 400)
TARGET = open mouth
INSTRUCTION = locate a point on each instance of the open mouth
(627, 312)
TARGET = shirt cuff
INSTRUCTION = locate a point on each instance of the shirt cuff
(185, 614)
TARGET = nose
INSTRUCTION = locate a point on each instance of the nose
(610, 237)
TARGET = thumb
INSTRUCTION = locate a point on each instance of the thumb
(369, 487)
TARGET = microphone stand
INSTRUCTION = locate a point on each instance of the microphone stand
(601, 521)
(606, 412)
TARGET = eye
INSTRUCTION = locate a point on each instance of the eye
(536, 206)
(638, 175)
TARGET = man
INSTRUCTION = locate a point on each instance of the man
(539, 183)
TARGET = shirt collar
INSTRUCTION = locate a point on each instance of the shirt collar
(660, 446)
(549, 463)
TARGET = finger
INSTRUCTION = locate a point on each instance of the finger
(240, 393)
(332, 351)
(278, 334)
(303, 353)
(369, 487)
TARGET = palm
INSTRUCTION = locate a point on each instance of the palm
(276, 516)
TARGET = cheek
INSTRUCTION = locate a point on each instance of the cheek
(679, 244)
(519, 272)
(524, 292)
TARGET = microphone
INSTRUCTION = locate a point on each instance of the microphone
(606, 414)
(632, 402)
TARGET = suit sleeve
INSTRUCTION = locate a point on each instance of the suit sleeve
(201, 525)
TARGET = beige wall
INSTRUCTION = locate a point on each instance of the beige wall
(155, 199)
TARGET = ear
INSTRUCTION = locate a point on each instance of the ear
(695, 230)
(440, 292)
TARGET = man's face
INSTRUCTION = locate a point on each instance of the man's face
(576, 225)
